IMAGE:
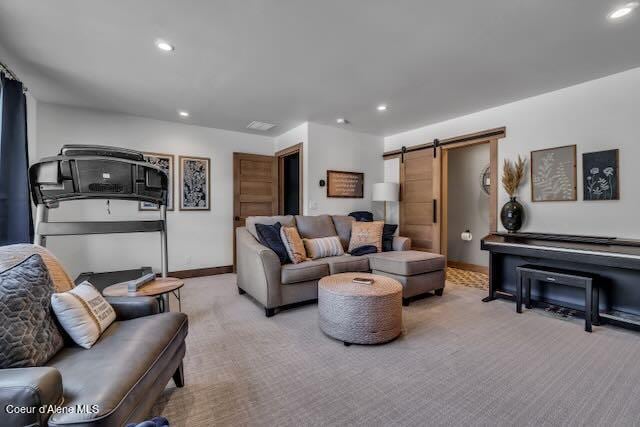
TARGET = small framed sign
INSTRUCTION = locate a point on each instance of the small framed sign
(345, 184)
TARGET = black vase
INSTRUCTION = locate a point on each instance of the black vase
(512, 215)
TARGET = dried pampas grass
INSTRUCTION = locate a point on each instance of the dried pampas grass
(512, 175)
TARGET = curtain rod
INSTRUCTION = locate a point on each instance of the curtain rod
(6, 70)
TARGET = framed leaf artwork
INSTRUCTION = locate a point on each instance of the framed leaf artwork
(553, 174)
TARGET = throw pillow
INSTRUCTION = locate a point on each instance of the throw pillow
(293, 242)
(83, 313)
(364, 250)
(29, 335)
(270, 237)
(388, 231)
(366, 233)
(364, 216)
(323, 247)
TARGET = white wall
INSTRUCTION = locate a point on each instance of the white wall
(598, 115)
(332, 148)
(196, 239)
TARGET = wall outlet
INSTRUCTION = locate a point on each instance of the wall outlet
(313, 205)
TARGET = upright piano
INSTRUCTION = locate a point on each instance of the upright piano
(615, 262)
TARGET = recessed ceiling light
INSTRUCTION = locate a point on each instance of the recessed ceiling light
(183, 113)
(623, 10)
(164, 46)
(382, 107)
(342, 121)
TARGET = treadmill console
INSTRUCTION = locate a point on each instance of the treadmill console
(97, 172)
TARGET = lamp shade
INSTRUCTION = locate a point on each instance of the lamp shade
(386, 192)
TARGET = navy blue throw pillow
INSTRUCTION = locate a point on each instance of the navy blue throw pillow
(363, 250)
(270, 237)
(388, 231)
(362, 216)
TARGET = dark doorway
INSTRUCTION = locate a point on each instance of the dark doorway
(291, 191)
(290, 180)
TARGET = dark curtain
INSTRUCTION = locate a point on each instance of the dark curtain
(16, 222)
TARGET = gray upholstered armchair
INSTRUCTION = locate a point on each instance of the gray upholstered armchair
(115, 382)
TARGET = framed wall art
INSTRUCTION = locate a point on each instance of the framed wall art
(553, 174)
(600, 175)
(195, 183)
(164, 162)
(345, 184)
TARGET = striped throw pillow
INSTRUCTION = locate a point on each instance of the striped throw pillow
(323, 247)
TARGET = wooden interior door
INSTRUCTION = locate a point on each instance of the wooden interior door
(420, 199)
(255, 189)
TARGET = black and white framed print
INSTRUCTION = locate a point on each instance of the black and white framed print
(600, 175)
(195, 185)
(164, 162)
(554, 174)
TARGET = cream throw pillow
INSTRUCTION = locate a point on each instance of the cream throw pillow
(83, 313)
(323, 247)
(293, 243)
(366, 233)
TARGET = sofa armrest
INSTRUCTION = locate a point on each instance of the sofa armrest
(401, 243)
(25, 388)
(258, 269)
(128, 308)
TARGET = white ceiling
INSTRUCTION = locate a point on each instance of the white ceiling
(289, 61)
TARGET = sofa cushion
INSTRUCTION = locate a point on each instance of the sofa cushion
(323, 247)
(269, 236)
(366, 233)
(83, 313)
(312, 227)
(251, 221)
(117, 373)
(304, 271)
(342, 224)
(407, 263)
(293, 244)
(11, 255)
(388, 232)
(29, 335)
(347, 263)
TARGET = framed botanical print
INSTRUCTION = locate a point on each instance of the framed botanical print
(164, 162)
(195, 185)
(553, 174)
(600, 175)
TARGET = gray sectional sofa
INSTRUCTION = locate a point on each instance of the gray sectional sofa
(273, 285)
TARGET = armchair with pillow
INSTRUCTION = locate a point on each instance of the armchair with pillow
(274, 283)
(124, 358)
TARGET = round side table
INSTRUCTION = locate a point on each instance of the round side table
(160, 288)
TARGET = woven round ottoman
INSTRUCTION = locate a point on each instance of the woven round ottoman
(360, 314)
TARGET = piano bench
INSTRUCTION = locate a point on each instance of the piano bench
(527, 273)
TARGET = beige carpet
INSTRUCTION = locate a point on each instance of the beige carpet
(459, 362)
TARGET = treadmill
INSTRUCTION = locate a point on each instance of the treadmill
(85, 172)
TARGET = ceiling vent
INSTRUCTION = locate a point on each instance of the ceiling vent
(260, 126)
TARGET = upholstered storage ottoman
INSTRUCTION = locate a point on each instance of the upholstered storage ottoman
(357, 313)
(418, 272)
